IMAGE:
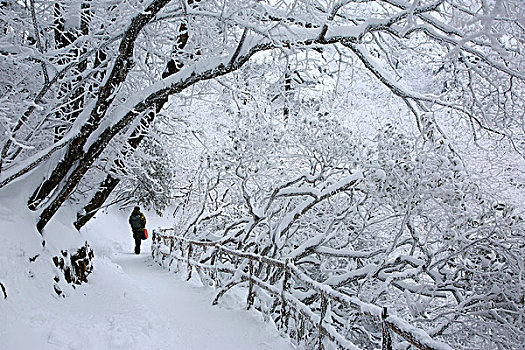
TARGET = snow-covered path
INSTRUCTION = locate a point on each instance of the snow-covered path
(187, 313)
(130, 303)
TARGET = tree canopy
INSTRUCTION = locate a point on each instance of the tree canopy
(378, 143)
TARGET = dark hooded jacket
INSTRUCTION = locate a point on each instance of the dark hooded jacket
(137, 231)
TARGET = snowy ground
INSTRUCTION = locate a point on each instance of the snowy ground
(129, 302)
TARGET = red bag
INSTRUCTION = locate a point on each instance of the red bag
(145, 236)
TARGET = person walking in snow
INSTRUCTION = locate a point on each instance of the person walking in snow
(137, 220)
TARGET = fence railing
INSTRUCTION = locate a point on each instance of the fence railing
(278, 285)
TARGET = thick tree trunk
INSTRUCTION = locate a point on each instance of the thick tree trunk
(96, 202)
(287, 94)
(82, 164)
(122, 66)
(76, 162)
(110, 182)
(63, 38)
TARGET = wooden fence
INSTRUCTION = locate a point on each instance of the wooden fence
(273, 285)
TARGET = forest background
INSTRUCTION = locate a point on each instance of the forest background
(377, 144)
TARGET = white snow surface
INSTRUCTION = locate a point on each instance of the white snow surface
(129, 302)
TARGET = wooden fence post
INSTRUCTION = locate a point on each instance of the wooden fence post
(386, 343)
(188, 264)
(250, 298)
(218, 259)
(154, 245)
(285, 314)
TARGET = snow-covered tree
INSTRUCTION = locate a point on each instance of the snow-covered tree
(88, 90)
(395, 219)
(103, 66)
(396, 222)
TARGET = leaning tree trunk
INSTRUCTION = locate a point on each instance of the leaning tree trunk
(111, 182)
(82, 165)
(76, 161)
(96, 202)
(106, 95)
(75, 174)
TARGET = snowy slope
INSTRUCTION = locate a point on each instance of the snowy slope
(129, 303)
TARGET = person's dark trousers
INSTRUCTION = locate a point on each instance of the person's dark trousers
(137, 245)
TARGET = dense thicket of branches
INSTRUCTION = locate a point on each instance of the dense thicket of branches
(99, 97)
(86, 72)
(394, 220)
